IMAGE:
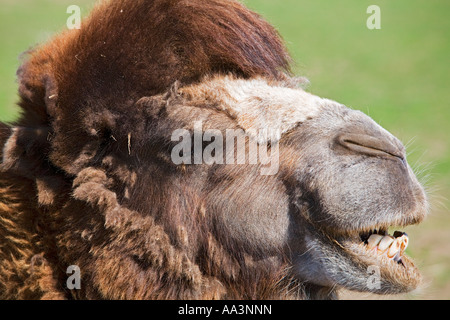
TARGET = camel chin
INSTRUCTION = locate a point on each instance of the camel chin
(360, 263)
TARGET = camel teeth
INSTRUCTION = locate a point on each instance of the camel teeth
(395, 248)
(404, 243)
(391, 246)
(373, 241)
(385, 243)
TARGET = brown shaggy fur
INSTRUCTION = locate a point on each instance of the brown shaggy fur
(65, 156)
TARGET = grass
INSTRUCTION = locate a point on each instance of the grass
(399, 75)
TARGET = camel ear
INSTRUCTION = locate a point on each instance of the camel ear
(25, 151)
(25, 154)
(26, 145)
(38, 90)
(5, 132)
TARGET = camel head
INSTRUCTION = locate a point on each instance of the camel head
(341, 182)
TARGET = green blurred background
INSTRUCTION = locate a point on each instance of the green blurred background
(399, 75)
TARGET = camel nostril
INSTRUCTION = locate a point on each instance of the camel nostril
(370, 145)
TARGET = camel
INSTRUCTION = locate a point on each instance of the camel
(89, 185)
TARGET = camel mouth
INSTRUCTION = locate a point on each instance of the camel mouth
(387, 252)
(377, 245)
(380, 243)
